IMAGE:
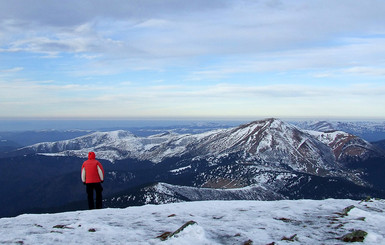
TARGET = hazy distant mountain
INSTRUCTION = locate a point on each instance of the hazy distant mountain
(380, 144)
(24, 138)
(8, 145)
(368, 130)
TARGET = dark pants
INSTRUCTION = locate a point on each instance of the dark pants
(90, 194)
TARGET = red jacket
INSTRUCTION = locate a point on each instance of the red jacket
(92, 170)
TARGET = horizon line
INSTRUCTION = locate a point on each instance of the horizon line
(187, 118)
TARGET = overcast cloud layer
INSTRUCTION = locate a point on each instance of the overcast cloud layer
(174, 58)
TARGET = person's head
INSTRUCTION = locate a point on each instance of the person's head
(91, 155)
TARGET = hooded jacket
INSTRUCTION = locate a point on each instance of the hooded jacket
(92, 170)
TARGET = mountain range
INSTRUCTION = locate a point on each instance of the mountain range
(369, 130)
(261, 160)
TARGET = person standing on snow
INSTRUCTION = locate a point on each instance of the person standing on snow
(92, 176)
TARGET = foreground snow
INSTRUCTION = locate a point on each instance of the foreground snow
(217, 222)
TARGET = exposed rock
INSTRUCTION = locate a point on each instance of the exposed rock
(191, 222)
(167, 235)
(346, 211)
(355, 236)
(164, 236)
(248, 242)
(62, 227)
(291, 238)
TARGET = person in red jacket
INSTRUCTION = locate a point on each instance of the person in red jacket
(92, 176)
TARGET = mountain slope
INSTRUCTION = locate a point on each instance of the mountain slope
(347, 147)
(162, 193)
(7, 145)
(298, 187)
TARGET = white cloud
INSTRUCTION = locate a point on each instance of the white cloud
(12, 70)
(371, 71)
(364, 56)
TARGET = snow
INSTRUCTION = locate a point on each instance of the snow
(180, 169)
(217, 222)
(327, 138)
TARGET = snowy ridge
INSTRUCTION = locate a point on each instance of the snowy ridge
(116, 145)
(162, 193)
(214, 222)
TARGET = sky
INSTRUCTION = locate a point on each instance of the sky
(192, 59)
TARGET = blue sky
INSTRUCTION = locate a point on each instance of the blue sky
(192, 59)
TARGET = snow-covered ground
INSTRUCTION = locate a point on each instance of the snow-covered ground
(217, 222)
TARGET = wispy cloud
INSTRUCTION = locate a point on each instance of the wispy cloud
(12, 70)
(371, 71)
(349, 56)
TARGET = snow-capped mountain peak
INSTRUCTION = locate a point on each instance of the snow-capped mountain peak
(269, 141)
